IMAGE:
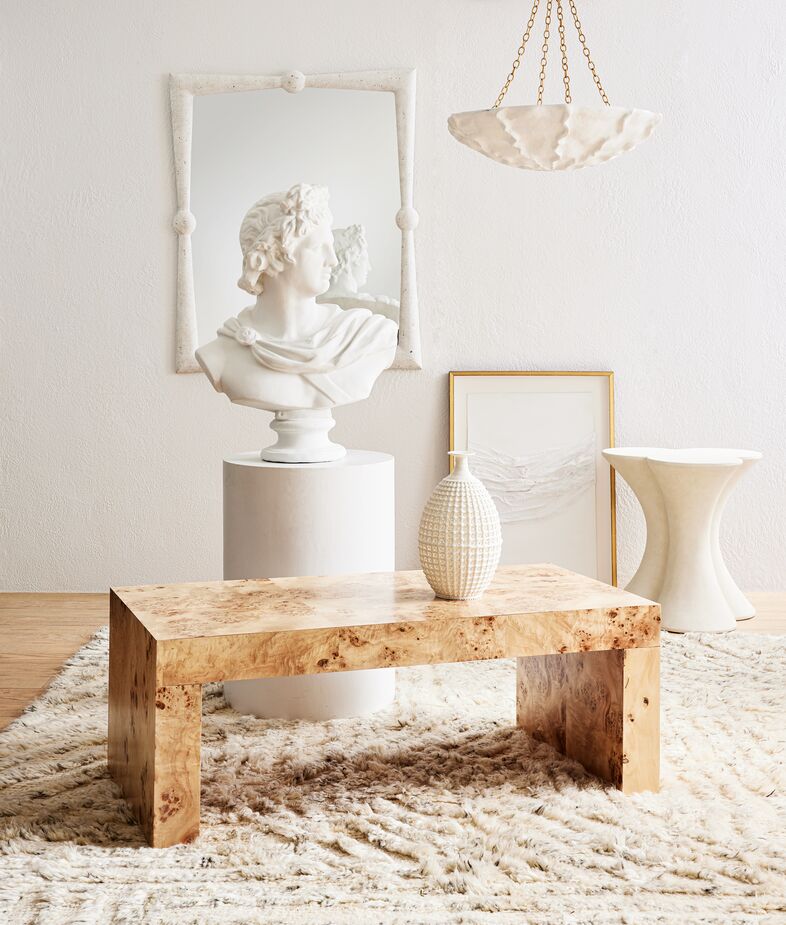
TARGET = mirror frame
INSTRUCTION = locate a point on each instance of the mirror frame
(184, 87)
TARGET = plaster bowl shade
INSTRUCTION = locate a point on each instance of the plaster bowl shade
(554, 137)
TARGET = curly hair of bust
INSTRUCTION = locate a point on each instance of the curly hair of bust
(271, 228)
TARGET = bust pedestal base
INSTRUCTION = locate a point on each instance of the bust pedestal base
(326, 518)
(303, 438)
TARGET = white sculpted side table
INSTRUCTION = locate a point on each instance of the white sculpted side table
(631, 464)
(742, 607)
(682, 494)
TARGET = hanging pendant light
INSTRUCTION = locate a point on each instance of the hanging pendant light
(560, 136)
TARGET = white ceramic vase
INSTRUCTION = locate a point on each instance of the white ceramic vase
(460, 538)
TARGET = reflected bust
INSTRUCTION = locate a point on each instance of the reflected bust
(351, 273)
(288, 353)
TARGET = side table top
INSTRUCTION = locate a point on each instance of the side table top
(286, 605)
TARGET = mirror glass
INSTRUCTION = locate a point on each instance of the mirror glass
(247, 145)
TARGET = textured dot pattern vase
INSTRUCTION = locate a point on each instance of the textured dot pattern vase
(460, 537)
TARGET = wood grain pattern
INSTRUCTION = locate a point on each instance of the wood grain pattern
(131, 730)
(641, 720)
(38, 632)
(153, 736)
(403, 644)
(64, 621)
(600, 708)
(178, 727)
(271, 628)
(219, 608)
(577, 632)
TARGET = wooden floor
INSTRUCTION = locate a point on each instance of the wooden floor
(38, 632)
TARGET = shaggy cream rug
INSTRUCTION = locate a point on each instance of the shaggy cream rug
(435, 811)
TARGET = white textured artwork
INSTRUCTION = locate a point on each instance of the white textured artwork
(537, 444)
(539, 484)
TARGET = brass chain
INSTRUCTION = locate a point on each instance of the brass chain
(590, 64)
(520, 55)
(544, 49)
(564, 49)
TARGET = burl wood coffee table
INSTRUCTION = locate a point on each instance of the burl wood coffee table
(587, 675)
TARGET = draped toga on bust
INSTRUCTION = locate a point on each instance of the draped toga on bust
(348, 336)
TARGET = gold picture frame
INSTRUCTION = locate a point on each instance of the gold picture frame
(609, 377)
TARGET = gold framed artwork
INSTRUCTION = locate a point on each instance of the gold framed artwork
(536, 439)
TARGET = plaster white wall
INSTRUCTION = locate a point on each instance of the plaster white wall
(666, 266)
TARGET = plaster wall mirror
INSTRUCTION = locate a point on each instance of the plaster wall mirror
(237, 138)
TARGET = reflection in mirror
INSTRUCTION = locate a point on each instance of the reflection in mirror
(249, 144)
(352, 132)
(351, 274)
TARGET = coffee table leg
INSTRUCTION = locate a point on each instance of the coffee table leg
(600, 708)
(154, 735)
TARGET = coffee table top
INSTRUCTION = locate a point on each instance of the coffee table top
(289, 605)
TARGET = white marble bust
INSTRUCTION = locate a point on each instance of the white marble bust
(289, 353)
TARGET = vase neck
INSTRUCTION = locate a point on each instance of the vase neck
(460, 471)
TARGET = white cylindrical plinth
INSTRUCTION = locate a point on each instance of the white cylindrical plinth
(330, 518)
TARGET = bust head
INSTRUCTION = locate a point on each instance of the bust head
(287, 232)
(353, 266)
